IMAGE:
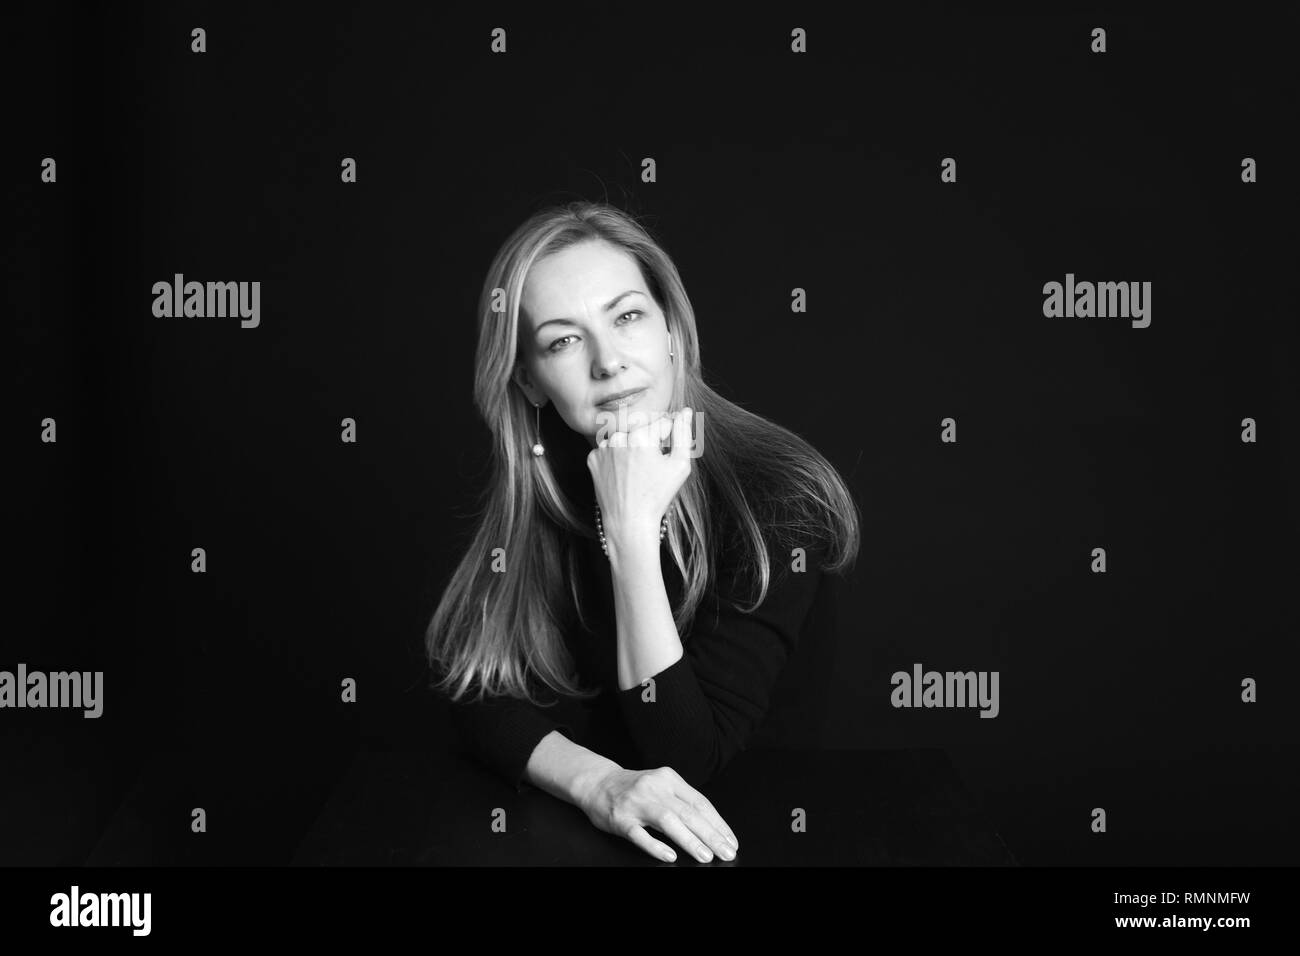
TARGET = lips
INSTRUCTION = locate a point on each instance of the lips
(621, 397)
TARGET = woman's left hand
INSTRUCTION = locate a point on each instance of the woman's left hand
(635, 481)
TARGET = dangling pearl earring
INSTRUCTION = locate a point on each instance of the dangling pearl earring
(538, 450)
(670, 348)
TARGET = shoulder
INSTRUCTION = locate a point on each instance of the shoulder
(794, 559)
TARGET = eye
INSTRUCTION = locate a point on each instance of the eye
(555, 346)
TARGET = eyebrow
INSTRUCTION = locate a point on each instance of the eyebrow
(608, 305)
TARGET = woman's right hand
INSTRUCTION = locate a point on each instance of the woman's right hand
(623, 802)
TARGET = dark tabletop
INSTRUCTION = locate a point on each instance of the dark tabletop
(862, 808)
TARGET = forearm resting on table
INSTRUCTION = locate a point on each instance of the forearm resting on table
(564, 769)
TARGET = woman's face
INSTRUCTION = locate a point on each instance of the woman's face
(584, 338)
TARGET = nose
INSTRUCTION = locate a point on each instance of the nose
(605, 359)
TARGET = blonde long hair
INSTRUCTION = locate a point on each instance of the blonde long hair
(494, 633)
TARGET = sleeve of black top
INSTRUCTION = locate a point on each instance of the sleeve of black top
(502, 732)
(707, 704)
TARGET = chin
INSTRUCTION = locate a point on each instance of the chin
(610, 421)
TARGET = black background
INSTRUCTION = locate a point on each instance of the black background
(775, 171)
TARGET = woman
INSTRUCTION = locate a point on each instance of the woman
(609, 449)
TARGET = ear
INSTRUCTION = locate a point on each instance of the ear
(520, 375)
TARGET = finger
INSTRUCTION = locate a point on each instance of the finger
(682, 434)
(646, 428)
(700, 803)
(664, 429)
(641, 435)
(705, 830)
(672, 825)
(656, 848)
(618, 440)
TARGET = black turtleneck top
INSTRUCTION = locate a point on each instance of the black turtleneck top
(707, 705)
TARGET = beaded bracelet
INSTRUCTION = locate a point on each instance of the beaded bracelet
(663, 530)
